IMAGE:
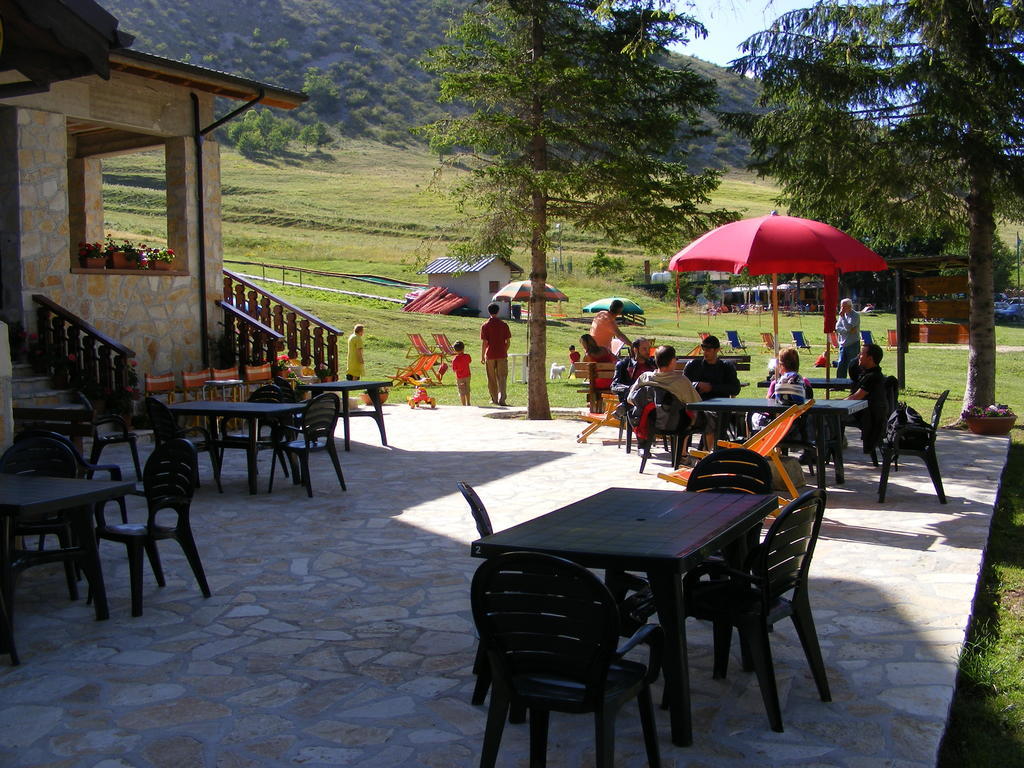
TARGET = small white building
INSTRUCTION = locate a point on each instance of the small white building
(476, 281)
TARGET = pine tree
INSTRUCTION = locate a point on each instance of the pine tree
(570, 114)
(900, 120)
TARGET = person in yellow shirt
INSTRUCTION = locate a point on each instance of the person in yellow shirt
(356, 367)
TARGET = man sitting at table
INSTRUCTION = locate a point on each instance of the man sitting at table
(712, 378)
(629, 369)
(870, 386)
(672, 381)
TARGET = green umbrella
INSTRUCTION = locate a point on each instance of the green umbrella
(628, 307)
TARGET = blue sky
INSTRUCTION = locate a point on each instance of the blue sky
(730, 22)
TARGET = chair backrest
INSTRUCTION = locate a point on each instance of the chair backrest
(223, 374)
(267, 393)
(937, 411)
(444, 345)
(731, 470)
(866, 337)
(476, 508)
(769, 339)
(40, 454)
(169, 477)
(833, 339)
(288, 393)
(891, 338)
(544, 617)
(158, 383)
(799, 340)
(734, 339)
(252, 373)
(782, 560)
(419, 344)
(892, 393)
(164, 425)
(195, 379)
(320, 417)
(768, 438)
(703, 335)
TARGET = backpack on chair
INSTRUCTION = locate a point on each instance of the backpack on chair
(654, 410)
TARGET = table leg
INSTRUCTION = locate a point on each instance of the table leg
(825, 445)
(837, 441)
(345, 416)
(378, 409)
(6, 571)
(251, 451)
(668, 596)
(81, 523)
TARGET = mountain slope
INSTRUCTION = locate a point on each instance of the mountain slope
(356, 60)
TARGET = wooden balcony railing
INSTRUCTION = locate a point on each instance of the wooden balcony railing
(259, 326)
(73, 347)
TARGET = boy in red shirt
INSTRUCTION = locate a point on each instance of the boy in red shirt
(460, 364)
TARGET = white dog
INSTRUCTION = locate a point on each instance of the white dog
(556, 371)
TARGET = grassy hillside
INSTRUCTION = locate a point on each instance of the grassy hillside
(358, 62)
(367, 207)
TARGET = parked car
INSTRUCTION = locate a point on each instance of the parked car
(1013, 312)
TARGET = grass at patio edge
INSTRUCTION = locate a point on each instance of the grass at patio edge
(986, 726)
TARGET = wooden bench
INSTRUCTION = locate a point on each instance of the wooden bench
(739, 362)
(589, 373)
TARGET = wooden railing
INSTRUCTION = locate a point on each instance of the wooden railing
(72, 346)
(260, 325)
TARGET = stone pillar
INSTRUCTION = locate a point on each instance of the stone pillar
(182, 237)
(85, 202)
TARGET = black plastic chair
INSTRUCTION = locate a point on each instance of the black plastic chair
(169, 483)
(165, 429)
(731, 470)
(550, 630)
(753, 599)
(314, 433)
(287, 389)
(915, 440)
(268, 393)
(40, 454)
(673, 439)
(111, 429)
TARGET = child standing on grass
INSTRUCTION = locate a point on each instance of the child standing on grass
(574, 356)
(460, 364)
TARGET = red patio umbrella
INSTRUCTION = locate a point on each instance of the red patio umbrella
(771, 244)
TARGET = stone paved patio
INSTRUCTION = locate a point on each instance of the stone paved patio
(339, 630)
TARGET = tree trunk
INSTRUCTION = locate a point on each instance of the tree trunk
(981, 359)
(537, 388)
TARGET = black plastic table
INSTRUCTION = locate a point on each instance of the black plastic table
(664, 533)
(827, 416)
(372, 388)
(27, 497)
(251, 412)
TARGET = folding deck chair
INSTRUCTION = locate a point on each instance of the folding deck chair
(444, 347)
(866, 337)
(765, 442)
(891, 339)
(768, 340)
(800, 341)
(612, 416)
(735, 341)
(833, 340)
(420, 372)
(419, 346)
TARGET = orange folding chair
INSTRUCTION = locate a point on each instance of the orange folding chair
(891, 341)
(193, 384)
(419, 347)
(256, 376)
(226, 386)
(765, 442)
(420, 372)
(159, 384)
(768, 340)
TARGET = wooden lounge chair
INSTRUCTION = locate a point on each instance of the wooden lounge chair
(800, 341)
(833, 340)
(768, 340)
(609, 417)
(765, 442)
(891, 339)
(419, 346)
(444, 347)
(734, 340)
(419, 373)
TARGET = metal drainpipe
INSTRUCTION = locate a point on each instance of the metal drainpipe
(198, 134)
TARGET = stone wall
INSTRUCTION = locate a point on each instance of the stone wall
(157, 315)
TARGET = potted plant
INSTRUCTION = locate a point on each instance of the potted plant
(161, 258)
(280, 365)
(324, 373)
(125, 254)
(92, 255)
(994, 420)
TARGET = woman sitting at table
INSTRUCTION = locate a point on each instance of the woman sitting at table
(788, 387)
(595, 353)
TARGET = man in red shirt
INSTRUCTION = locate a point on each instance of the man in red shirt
(495, 338)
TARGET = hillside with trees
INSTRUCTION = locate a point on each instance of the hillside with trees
(358, 62)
